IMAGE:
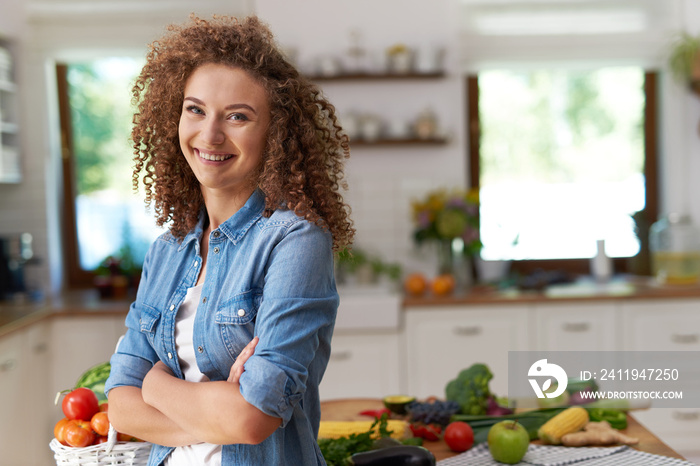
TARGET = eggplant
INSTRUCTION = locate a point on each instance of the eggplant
(404, 455)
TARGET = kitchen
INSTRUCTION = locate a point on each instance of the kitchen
(383, 179)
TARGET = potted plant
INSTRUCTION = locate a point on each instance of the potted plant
(684, 60)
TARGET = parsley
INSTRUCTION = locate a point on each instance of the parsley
(337, 451)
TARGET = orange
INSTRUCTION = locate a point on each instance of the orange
(415, 284)
(443, 285)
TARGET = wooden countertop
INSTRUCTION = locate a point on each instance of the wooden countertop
(348, 409)
(621, 288)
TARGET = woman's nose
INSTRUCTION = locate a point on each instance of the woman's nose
(213, 133)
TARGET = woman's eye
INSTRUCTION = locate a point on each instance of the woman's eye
(238, 116)
(194, 109)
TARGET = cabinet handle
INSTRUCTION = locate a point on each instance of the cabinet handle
(576, 327)
(7, 365)
(684, 339)
(467, 331)
(341, 355)
(681, 416)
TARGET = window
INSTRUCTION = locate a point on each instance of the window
(562, 158)
(103, 216)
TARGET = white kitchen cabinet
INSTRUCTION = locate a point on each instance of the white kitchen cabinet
(579, 326)
(25, 429)
(662, 325)
(441, 341)
(363, 365)
(78, 343)
(667, 325)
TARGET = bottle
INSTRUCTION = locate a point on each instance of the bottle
(675, 250)
(601, 265)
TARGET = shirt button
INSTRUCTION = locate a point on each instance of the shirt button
(216, 250)
(204, 299)
(241, 312)
(195, 263)
(172, 306)
(217, 234)
(200, 349)
(170, 355)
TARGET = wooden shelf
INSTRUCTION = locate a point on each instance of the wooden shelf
(378, 76)
(398, 142)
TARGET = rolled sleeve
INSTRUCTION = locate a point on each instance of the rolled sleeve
(294, 323)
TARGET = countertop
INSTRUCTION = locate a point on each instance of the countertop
(15, 315)
(348, 409)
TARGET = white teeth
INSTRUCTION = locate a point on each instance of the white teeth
(214, 157)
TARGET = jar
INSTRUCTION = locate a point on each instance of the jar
(675, 247)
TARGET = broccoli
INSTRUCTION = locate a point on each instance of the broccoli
(471, 389)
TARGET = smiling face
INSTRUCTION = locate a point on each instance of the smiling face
(223, 128)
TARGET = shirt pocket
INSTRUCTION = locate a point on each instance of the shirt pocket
(148, 323)
(236, 320)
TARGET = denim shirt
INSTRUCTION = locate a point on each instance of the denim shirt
(270, 277)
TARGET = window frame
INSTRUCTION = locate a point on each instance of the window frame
(575, 266)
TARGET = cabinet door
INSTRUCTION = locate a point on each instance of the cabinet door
(662, 325)
(79, 343)
(440, 342)
(667, 325)
(577, 327)
(12, 400)
(362, 365)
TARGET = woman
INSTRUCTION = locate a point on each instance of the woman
(244, 159)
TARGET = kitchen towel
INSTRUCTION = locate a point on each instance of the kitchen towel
(539, 455)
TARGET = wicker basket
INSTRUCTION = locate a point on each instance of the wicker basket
(106, 454)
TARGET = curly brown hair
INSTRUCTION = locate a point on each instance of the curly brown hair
(303, 163)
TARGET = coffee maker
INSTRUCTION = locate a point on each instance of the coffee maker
(15, 252)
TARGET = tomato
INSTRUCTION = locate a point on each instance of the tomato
(78, 434)
(58, 430)
(80, 404)
(127, 438)
(104, 406)
(100, 423)
(100, 439)
(459, 436)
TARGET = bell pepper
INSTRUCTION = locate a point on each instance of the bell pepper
(375, 412)
(616, 418)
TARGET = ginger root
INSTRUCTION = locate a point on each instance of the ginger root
(597, 433)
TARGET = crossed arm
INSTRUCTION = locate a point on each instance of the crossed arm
(173, 412)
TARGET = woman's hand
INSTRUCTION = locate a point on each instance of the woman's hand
(237, 368)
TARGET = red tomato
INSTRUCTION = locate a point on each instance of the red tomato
(80, 404)
(58, 430)
(459, 436)
(100, 423)
(100, 439)
(79, 434)
(104, 406)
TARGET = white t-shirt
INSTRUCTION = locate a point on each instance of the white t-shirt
(204, 454)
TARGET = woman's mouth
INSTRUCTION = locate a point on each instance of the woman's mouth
(213, 157)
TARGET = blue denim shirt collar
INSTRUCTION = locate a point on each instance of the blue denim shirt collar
(236, 226)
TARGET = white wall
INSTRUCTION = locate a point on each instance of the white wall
(382, 181)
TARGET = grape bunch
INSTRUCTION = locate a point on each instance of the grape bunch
(434, 412)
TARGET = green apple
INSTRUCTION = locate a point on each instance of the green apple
(508, 441)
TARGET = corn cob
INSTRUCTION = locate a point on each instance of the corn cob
(570, 420)
(336, 429)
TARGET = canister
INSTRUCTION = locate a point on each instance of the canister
(675, 250)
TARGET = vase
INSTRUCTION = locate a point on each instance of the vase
(453, 261)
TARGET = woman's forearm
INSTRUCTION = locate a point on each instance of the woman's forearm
(214, 412)
(130, 414)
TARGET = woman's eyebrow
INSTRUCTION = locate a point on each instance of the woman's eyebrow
(228, 107)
